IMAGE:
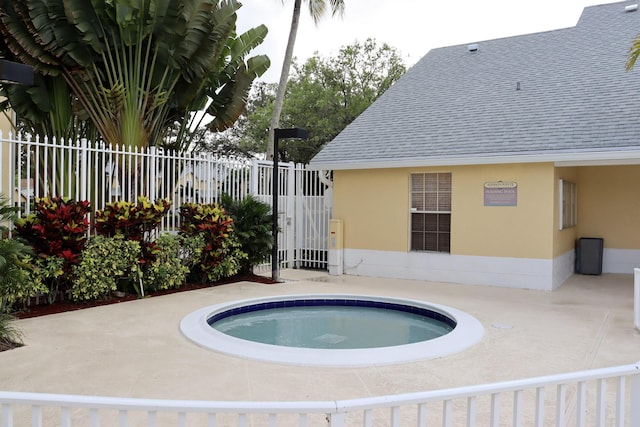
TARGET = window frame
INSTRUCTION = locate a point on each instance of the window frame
(442, 209)
(567, 204)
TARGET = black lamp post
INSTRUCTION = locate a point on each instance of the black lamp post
(277, 135)
(15, 73)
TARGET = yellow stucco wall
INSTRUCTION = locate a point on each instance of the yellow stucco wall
(374, 206)
(609, 205)
(5, 126)
(522, 231)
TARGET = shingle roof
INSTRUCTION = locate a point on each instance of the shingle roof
(560, 95)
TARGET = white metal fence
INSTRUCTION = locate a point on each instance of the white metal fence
(636, 298)
(600, 397)
(82, 170)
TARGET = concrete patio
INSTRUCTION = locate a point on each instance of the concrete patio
(135, 349)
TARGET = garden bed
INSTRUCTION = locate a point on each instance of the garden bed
(43, 309)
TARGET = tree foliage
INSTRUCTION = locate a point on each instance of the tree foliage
(134, 69)
(247, 138)
(317, 9)
(324, 95)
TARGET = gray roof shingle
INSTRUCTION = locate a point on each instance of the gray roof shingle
(550, 96)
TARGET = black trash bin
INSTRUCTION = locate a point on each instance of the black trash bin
(589, 255)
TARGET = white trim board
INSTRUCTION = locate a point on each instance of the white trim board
(620, 260)
(520, 273)
(629, 156)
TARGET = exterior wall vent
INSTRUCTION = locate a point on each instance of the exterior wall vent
(631, 8)
(472, 47)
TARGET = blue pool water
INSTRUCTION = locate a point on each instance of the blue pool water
(333, 330)
(330, 324)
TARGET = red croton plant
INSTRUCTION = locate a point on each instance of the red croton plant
(135, 221)
(57, 228)
(214, 224)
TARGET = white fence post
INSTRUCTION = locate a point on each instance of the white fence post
(7, 157)
(634, 398)
(636, 298)
(298, 223)
(253, 179)
(84, 167)
(152, 166)
(290, 214)
(336, 419)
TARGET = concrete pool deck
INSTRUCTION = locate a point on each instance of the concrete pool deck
(135, 349)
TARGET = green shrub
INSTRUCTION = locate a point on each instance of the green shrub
(229, 264)
(10, 336)
(14, 274)
(252, 224)
(138, 222)
(44, 277)
(8, 214)
(169, 267)
(104, 261)
(14, 263)
(221, 255)
(191, 251)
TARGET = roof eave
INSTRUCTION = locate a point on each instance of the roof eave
(621, 157)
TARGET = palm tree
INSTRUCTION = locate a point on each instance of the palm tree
(136, 68)
(133, 69)
(317, 9)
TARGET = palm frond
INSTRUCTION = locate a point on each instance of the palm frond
(634, 53)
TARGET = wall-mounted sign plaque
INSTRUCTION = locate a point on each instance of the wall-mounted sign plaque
(501, 193)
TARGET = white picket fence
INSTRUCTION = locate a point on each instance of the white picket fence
(599, 398)
(82, 170)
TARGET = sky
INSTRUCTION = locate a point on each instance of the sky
(413, 27)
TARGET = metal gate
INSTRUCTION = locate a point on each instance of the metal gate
(305, 201)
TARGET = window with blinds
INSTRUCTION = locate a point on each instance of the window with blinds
(431, 212)
(568, 204)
